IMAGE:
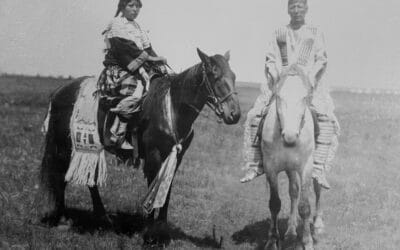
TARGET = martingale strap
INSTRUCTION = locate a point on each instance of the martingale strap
(160, 186)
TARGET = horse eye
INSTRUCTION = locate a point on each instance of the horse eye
(215, 70)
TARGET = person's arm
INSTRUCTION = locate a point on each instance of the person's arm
(321, 60)
(272, 60)
(127, 53)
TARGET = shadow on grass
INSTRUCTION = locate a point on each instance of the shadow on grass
(123, 223)
(257, 233)
(206, 241)
(84, 221)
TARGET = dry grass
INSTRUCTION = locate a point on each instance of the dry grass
(362, 211)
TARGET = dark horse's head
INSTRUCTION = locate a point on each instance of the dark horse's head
(219, 81)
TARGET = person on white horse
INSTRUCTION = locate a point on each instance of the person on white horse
(301, 45)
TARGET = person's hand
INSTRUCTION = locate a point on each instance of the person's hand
(163, 69)
(158, 59)
(162, 59)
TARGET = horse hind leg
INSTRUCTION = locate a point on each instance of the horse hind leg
(274, 207)
(98, 208)
(318, 221)
(291, 233)
(53, 187)
(52, 182)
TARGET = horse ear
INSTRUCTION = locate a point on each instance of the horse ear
(227, 55)
(204, 58)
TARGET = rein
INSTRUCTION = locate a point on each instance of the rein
(213, 101)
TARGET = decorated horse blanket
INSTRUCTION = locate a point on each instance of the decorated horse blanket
(88, 163)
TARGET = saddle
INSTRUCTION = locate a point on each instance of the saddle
(108, 99)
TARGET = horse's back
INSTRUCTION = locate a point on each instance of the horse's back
(62, 102)
(66, 95)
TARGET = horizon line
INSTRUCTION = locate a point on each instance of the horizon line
(239, 82)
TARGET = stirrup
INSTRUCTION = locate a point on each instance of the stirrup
(126, 145)
(250, 175)
(121, 142)
(321, 180)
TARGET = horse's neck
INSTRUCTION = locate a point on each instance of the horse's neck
(186, 99)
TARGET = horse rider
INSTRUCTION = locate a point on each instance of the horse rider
(302, 45)
(129, 63)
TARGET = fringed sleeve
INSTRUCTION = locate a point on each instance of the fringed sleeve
(321, 59)
(273, 58)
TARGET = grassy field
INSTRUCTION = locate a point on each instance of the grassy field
(209, 207)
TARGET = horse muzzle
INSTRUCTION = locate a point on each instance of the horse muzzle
(231, 111)
(290, 138)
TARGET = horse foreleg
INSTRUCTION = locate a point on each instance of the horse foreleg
(156, 231)
(160, 225)
(274, 207)
(163, 213)
(291, 233)
(318, 222)
(98, 208)
(304, 206)
(150, 171)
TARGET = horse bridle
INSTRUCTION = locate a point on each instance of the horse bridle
(213, 101)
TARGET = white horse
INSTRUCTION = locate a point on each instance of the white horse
(287, 145)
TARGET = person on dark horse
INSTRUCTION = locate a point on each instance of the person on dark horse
(129, 63)
(167, 112)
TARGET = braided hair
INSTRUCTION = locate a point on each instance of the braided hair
(123, 3)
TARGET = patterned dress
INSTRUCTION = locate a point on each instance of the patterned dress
(127, 50)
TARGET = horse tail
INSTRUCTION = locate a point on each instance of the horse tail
(49, 150)
(45, 125)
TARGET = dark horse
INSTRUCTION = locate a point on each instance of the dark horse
(161, 126)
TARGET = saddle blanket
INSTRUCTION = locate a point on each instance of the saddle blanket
(88, 164)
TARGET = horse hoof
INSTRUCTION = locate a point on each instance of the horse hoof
(290, 236)
(318, 226)
(105, 221)
(157, 235)
(64, 224)
(51, 219)
(271, 245)
(308, 246)
(319, 230)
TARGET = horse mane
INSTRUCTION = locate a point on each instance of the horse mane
(159, 87)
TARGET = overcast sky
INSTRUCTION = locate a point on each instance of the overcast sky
(62, 37)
